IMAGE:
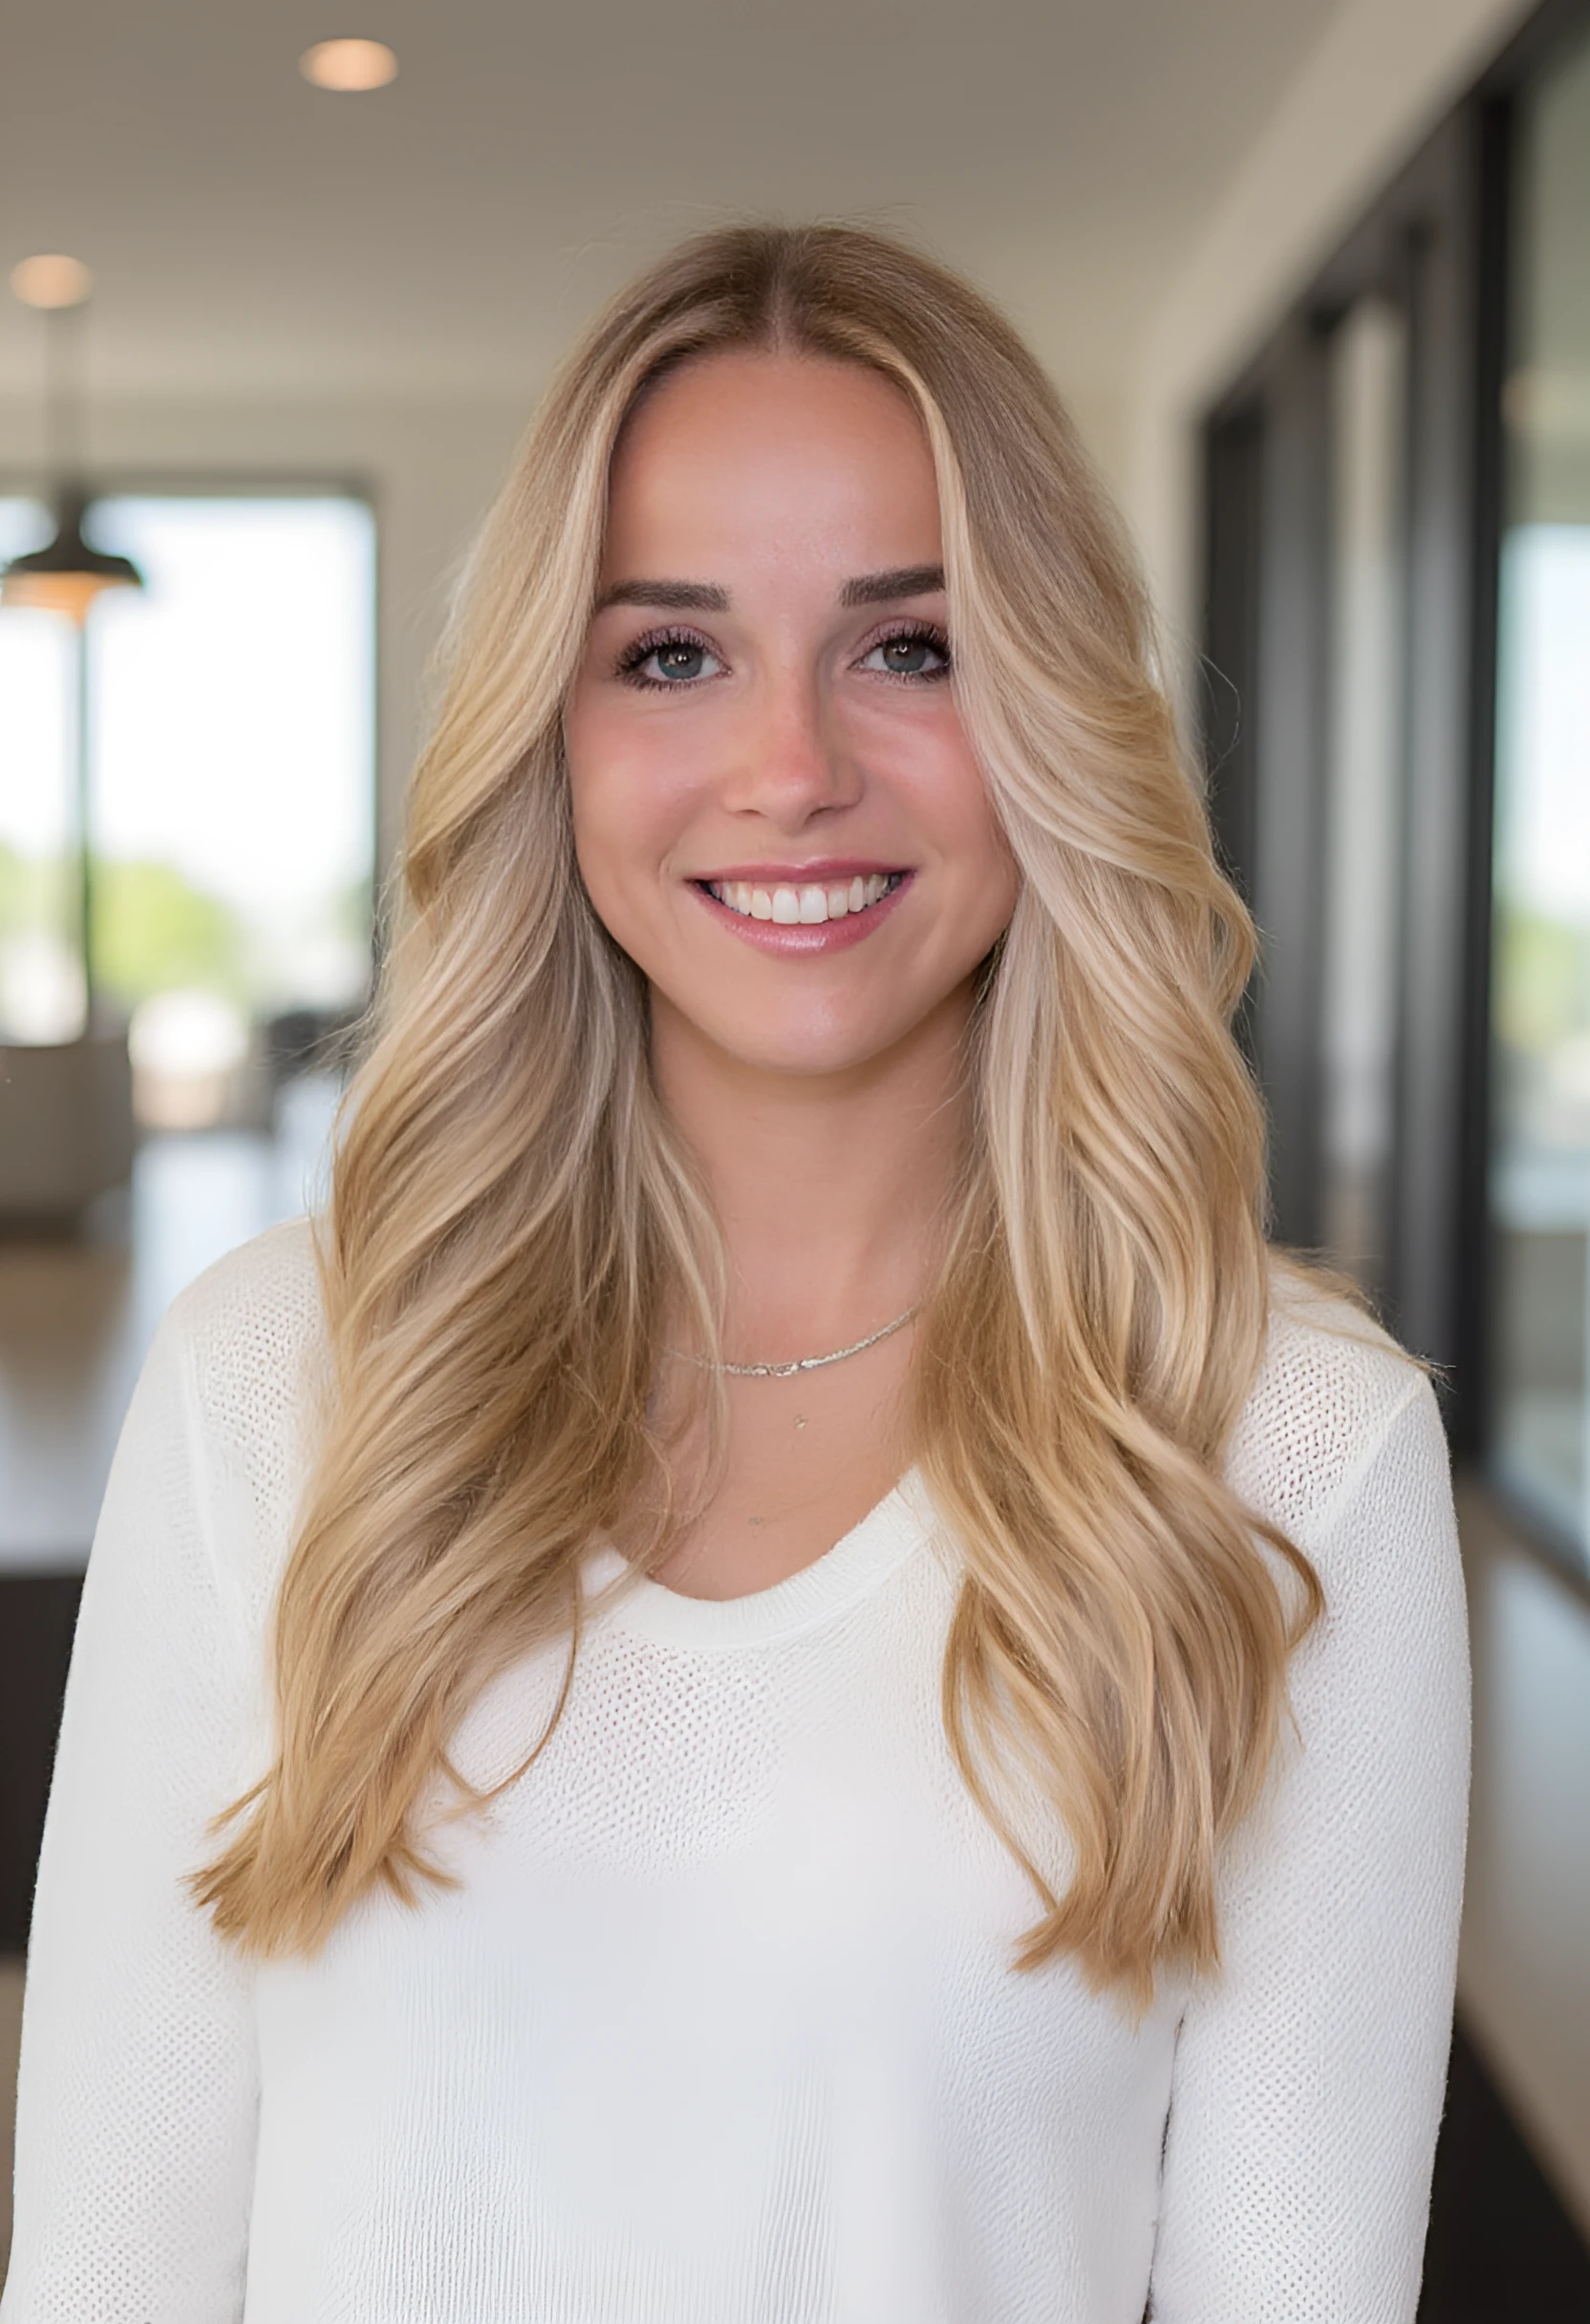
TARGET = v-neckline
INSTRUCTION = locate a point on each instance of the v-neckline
(891, 1532)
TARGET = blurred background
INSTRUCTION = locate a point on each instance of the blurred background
(1315, 278)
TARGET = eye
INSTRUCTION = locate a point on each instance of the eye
(671, 658)
(919, 652)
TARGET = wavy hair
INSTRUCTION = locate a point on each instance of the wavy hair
(513, 1213)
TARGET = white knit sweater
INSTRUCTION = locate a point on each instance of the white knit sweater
(719, 2027)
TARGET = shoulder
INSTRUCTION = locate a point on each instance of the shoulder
(252, 1322)
(249, 1339)
(1335, 1397)
(1341, 1446)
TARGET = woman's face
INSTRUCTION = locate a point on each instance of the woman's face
(777, 812)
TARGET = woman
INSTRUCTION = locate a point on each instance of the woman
(740, 1631)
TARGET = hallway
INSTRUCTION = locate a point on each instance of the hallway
(1313, 279)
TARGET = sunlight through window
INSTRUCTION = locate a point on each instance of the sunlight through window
(231, 783)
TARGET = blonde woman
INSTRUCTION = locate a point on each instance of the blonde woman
(787, 1679)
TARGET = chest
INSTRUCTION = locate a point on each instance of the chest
(736, 1871)
(801, 1462)
(722, 2001)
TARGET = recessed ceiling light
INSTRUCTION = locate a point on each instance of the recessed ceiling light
(51, 280)
(349, 65)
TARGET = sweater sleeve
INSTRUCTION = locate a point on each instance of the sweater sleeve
(137, 2101)
(1310, 2072)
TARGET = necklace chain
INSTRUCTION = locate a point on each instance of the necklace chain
(800, 1364)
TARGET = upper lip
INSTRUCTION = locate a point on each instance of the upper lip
(797, 875)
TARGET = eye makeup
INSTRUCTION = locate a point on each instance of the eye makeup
(687, 647)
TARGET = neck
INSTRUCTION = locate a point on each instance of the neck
(829, 1189)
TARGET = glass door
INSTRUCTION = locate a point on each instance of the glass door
(1540, 1171)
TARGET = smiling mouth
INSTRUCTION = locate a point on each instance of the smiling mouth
(807, 906)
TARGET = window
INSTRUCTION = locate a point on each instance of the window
(1364, 806)
(230, 786)
(1540, 1178)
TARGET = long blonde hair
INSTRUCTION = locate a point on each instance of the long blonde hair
(512, 1212)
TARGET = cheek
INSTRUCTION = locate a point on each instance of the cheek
(986, 892)
(974, 836)
(949, 799)
(627, 799)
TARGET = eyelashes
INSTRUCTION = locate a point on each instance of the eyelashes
(914, 638)
(680, 644)
(679, 655)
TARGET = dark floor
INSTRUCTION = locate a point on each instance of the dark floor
(37, 1612)
(1501, 2249)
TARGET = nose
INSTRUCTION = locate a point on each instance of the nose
(789, 761)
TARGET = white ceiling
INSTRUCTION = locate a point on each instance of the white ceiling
(254, 236)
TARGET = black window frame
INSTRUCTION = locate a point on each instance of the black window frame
(1437, 244)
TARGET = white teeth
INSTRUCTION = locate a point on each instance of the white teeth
(802, 907)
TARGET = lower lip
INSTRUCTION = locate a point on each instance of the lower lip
(804, 938)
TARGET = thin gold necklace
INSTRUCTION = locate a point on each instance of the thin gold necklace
(801, 1363)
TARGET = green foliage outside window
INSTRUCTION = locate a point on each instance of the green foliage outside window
(1541, 980)
(153, 931)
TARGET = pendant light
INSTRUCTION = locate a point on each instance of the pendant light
(67, 575)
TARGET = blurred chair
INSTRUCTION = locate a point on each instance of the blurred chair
(66, 1127)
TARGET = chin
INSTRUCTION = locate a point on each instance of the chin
(811, 1061)
(799, 1046)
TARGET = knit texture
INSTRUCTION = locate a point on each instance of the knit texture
(721, 2027)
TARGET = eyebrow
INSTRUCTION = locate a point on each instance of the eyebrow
(706, 597)
(676, 597)
(881, 588)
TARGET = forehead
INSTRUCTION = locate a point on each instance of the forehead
(745, 449)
